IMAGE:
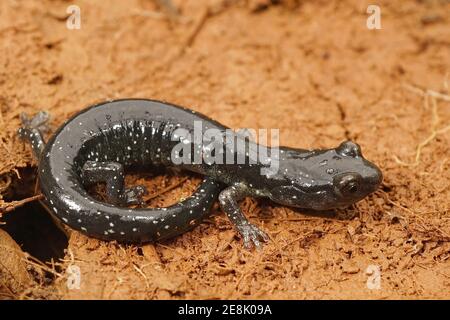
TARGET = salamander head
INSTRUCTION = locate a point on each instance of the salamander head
(324, 179)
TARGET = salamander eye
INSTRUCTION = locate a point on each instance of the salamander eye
(351, 188)
(348, 184)
(350, 149)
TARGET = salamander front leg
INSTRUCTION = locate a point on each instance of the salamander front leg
(32, 130)
(228, 199)
(112, 174)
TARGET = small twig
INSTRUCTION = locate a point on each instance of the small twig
(434, 130)
(29, 259)
(196, 29)
(445, 236)
(421, 146)
(142, 274)
(10, 206)
(427, 92)
(396, 204)
(3, 284)
(190, 38)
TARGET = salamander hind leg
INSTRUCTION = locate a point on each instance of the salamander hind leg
(250, 233)
(112, 173)
(32, 130)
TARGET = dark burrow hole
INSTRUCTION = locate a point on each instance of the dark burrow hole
(35, 232)
(31, 226)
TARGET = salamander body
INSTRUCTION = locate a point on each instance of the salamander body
(99, 143)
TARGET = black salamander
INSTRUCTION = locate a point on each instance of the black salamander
(99, 143)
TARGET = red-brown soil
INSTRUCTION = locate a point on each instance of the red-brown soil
(309, 68)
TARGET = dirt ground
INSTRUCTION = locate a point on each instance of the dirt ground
(310, 68)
